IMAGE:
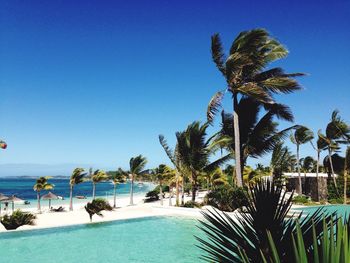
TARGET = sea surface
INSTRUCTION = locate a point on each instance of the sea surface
(23, 188)
(156, 239)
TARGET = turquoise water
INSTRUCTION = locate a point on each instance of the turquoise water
(23, 188)
(157, 239)
(341, 210)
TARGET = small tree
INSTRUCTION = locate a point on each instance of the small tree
(118, 177)
(40, 185)
(96, 206)
(77, 177)
(97, 177)
(17, 219)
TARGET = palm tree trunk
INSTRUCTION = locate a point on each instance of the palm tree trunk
(161, 192)
(194, 185)
(93, 191)
(132, 190)
(332, 170)
(170, 197)
(38, 197)
(300, 187)
(345, 183)
(183, 190)
(177, 189)
(317, 171)
(115, 196)
(71, 198)
(208, 188)
(238, 167)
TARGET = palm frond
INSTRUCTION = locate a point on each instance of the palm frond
(217, 53)
(214, 106)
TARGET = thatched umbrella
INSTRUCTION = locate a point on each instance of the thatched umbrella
(14, 199)
(49, 196)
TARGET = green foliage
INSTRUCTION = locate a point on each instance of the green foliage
(17, 219)
(96, 206)
(226, 198)
(43, 184)
(192, 204)
(338, 200)
(267, 210)
(152, 196)
(77, 177)
(301, 199)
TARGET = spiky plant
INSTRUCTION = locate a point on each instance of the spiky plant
(77, 177)
(96, 206)
(267, 210)
(244, 71)
(17, 219)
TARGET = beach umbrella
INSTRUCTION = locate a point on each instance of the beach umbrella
(14, 199)
(49, 196)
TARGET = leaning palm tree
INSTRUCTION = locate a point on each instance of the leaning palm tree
(117, 178)
(97, 177)
(301, 136)
(42, 184)
(281, 159)
(194, 151)
(161, 174)
(77, 177)
(137, 166)
(244, 71)
(259, 135)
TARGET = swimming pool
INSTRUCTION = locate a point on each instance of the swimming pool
(341, 210)
(156, 239)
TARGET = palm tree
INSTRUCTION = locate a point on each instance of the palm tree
(173, 157)
(97, 177)
(259, 136)
(281, 160)
(194, 151)
(346, 171)
(162, 173)
(77, 177)
(301, 136)
(243, 69)
(137, 165)
(118, 177)
(40, 185)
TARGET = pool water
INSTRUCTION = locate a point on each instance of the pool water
(341, 210)
(156, 239)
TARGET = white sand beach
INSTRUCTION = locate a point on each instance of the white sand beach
(48, 219)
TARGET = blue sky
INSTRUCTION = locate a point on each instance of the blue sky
(95, 82)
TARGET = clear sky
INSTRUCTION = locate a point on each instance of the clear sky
(95, 82)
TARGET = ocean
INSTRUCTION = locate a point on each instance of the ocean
(23, 188)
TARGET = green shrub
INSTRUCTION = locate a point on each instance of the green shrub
(165, 188)
(226, 198)
(192, 204)
(17, 219)
(97, 206)
(338, 200)
(301, 199)
(152, 196)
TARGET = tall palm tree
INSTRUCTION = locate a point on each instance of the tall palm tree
(161, 174)
(281, 159)
(259, 135)
(42, 184)
(244, 71)
(336, 130)
(346, 171)
(137, 166)
(77, 177)
(117, 178)
(301, 136)
(97, 177)
(179, 169)
(194, 152)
